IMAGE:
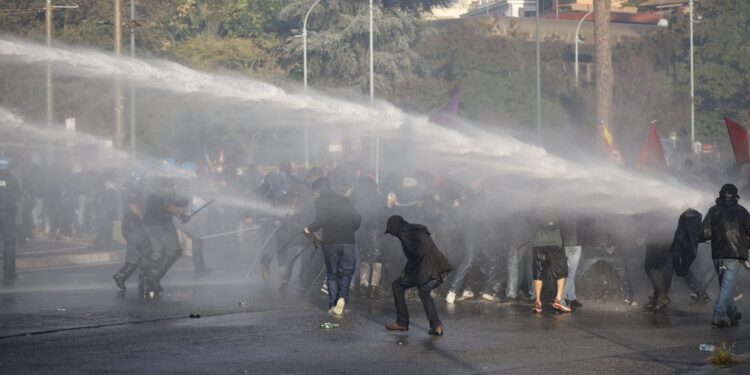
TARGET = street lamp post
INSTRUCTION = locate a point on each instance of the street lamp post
(372, 95)
(578, 28)
(692, 81)
(132, 85)
(48, 24)
(304, 62)
(538, 73)
(118, 80)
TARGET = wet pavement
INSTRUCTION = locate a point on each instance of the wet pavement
(72, 320)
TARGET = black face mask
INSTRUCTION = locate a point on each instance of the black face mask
(395, 225)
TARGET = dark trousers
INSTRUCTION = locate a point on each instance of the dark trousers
(402, 313)
(8, 241)
(658, 265)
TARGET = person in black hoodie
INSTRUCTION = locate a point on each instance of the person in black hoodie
(425, 269)
(336, 216)
(727, 226)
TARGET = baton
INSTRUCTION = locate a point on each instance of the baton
(200, 208)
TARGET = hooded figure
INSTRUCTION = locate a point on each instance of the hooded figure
(425, 262)
(425, 269)
(727, 226)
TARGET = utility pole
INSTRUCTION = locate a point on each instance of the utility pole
(692, 80)
(48, 24)
(603, 64)
(132, 26)
(117, 139)
(304, 64)
(372, 94)
(538, 72)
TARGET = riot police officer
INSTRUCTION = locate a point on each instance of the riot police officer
(138, 253)
(10, 193)
(162, 205)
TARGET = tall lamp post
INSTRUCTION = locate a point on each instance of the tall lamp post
(304, 63)
(48, 24)
(578, 40)
(132, 25)
(538, 73)
(692, 81)
(372, 96)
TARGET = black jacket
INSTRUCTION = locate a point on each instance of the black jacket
(338, 218)
(727, 226)
(425, 262)
(685, 243)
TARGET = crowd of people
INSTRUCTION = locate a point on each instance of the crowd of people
(509, 256)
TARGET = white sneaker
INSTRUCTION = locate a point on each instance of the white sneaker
(450, 298)
(339, 308)
(467, 294)
(488, 297)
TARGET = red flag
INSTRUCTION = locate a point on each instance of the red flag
(652, 153)
(448, 111)
(738, 138)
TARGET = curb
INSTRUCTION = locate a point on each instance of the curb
(68, 260)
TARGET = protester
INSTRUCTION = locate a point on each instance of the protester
(425, 269)
(549, 256)
(339, 220)
(727, 226)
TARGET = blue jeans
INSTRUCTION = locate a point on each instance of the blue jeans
(340, 260)
(518, 266)
(727, 269)
(467, 258)
(574, 256)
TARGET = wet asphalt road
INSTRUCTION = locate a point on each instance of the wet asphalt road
(72, 320)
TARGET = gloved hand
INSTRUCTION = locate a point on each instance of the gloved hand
(185, 218)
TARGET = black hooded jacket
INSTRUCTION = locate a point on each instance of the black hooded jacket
(338, 218)
(425, 262)
(727, 226)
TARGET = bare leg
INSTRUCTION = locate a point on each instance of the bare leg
(538, 292)
(560, 288)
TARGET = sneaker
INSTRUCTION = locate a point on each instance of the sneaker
(339, 308)
(537, 308)
(450, 298)
(736, 320)
(467, 294)
(720, 323)
(573, 304)
(631, 302)
(488, 297)
(560, 306)
(700, 301)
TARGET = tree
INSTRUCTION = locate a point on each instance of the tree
(338, 45)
